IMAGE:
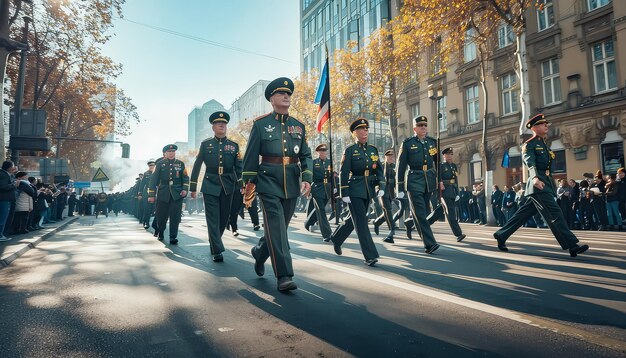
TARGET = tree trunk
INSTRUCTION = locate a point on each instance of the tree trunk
(524, 95)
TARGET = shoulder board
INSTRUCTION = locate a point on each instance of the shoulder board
(407, 139)
(348, 146)
(373, 146)
(431, 138)
(262, 116)
(208, 139)
(297, 120)
(531, 138)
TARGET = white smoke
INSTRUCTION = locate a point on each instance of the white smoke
(121, 171)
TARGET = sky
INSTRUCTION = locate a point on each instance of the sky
(167, 75)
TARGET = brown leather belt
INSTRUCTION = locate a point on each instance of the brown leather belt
(279, 160)
(451, 181)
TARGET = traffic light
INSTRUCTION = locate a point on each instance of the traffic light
(125, 150)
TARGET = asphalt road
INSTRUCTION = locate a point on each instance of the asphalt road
(106, 288)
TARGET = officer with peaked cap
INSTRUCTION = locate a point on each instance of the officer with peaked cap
(320, 192)
(540, 192)
(449, 186)
(417, 175)
(148, 208)
(171, 180)
(389, 169)
(279, 141)
(222, 160)
(361, 172)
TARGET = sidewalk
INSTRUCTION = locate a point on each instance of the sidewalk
(10, 250)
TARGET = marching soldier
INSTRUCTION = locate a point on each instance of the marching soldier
(222, 160)
(540, 192)
(280, 141)
(172, 182)
(389, 169)
(360, 173)
(418, 157)
(320, 192)
(148, 208)
(449, 186)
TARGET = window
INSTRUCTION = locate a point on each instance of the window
(545, 14)
(441, 111)
(612, 157)
(476, 168)
(558, 163)
(505, 36)
(510, 93)
(415, 110)
(596, 4)
(472, 106)
(469, 49)
(436, 57)
(551, 81)
(604, 72)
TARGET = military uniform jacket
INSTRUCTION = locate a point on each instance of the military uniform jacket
(322, 176)
(222, 160)
(538, 158)
(283, 139)
(361, 171)
(416, 165)
(144, 184)
(170, 179)
(389, 170)
(449, 176)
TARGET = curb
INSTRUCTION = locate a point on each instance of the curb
(31, 243)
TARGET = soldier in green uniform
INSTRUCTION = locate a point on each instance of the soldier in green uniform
(279, 141)
(418, 156)
(320, 192)
(222, 177)
(540, 192)
(449, 186)
(361, 172)
(389, 169)
(148, 208)
(171, 180)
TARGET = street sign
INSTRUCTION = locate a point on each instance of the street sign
(82, 184)
(100, 176)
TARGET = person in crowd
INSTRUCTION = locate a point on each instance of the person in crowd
(509, 206)
(480, 201)
(30, 225)
(587, 216)
(320, 193)
(621, 191)
(464, 204)
(496, 205)
(598, 188)
(450, 191)
(389, 171)
(540, 192)
(102, 206)
(40, 206)
(280, 177)
(612, 203)
(563, 195)
(23, 203)
(72, 201)
(148, 208)
(575, 202)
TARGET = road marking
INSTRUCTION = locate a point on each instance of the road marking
(527, 319)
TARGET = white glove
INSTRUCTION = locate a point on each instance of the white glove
(400, 195)
(457, 198)
(381, 193)
(346, 199)
(334, 190)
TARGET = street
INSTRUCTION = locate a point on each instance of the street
(105, 287)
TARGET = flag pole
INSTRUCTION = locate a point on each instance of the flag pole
(330, 143)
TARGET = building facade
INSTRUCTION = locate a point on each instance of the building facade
(250, 104)
(576, 56)
(198, 126)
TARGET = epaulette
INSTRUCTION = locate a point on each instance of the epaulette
(434, 139)
(297, 120)
(531, 138)
(262, 116)
(207, 139)
(407, 139)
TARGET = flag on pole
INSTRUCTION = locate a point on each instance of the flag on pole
(505, 159)
(322, 98)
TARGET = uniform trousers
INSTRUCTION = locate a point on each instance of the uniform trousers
(387, 215)
(358, 219)
(148, 209)
(277, 212)
(545, 204)
(217, 213)
(169, 210)
(419, 211)
(317, 213)
(453, 220)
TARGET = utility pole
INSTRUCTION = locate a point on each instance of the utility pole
(19, 93)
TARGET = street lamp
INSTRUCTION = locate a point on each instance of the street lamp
(19, 92)
(435, 94)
